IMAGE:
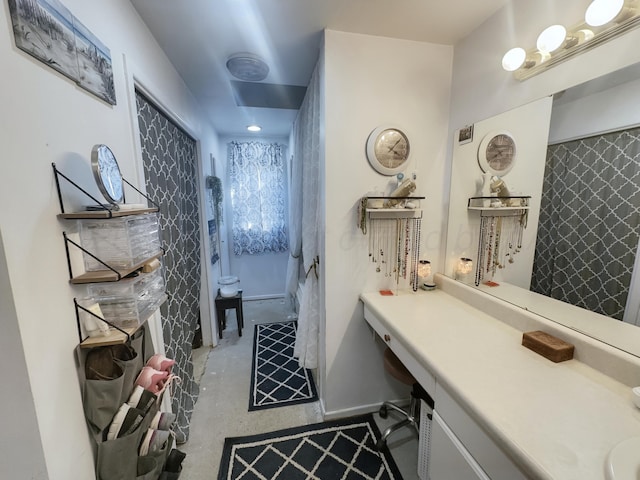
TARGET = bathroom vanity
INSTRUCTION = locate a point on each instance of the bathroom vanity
(502, 411)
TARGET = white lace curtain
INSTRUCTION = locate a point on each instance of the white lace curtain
(258, 197)
(305, 208)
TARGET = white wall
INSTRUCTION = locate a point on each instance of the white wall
(47, 118)
(20, 445)
(370, 81)
(263, 275)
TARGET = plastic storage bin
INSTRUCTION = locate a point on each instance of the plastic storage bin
(129, 302)
(121, 242)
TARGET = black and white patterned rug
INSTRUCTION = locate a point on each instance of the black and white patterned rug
(323, 451)
(277, 379)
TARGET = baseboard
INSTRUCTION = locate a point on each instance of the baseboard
(360, 410)
(263, 297)
(349, 412)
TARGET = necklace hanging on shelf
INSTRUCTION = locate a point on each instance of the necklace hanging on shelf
(371, 242)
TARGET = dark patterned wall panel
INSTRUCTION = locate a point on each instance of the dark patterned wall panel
(588, 230)
(170, 161)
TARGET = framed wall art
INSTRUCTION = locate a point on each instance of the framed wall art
(48, 31)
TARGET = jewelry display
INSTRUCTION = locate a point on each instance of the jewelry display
(499, 241)
(502, 223)
(394, 247)
(394, 238)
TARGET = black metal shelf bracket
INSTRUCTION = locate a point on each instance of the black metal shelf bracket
(68, 241)
(80, 307)
(141, 193)
(99, 205)
(59, 174)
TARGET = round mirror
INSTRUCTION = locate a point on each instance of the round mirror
(107, 174)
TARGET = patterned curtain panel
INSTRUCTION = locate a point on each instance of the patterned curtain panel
(169, 156)
(258, 197)
(589, 218)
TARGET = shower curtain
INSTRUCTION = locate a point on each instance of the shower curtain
(307, 154)
(170, 161)
(589, 219)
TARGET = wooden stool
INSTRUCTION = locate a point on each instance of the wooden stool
(225, 303)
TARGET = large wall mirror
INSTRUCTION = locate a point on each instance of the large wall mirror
(562, 141)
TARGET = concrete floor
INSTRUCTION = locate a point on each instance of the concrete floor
(224, 374)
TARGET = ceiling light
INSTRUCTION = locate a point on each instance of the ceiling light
(254, 128)
(247, 67)
(513, 59)
(551, 38)
(602, 11)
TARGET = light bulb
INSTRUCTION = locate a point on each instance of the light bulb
(513, 59)
(254, 128)
(551, 38)
(602, 11)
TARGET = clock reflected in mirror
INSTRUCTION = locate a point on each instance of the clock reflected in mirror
(497, 153)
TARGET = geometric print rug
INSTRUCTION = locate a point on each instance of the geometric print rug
(339, 449)
(277, 379)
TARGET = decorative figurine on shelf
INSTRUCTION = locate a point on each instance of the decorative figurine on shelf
(406, 188)
(486, 189)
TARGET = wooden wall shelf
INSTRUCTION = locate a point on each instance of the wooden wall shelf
(110, 275)
(98, 214)
(116, 337)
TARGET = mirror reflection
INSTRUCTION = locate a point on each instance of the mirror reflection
(581, 240)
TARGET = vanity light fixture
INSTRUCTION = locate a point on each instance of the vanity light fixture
(604, 20)
(254, 128)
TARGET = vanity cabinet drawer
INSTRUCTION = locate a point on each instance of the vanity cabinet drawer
(421, 374)
(374, 323)
(493, 461)
(449, 459)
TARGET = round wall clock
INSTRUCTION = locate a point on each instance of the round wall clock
(497, 153)
(107, 174)
(388, 150)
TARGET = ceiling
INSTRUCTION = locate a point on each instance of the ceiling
(199, 36)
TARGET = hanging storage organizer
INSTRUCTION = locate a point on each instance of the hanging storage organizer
(132, 250)
(393, 225)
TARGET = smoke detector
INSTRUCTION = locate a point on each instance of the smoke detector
(247, 67)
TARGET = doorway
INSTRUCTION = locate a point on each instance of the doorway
(169, 156)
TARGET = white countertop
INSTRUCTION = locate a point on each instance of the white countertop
(555, 420)
(625, 336)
